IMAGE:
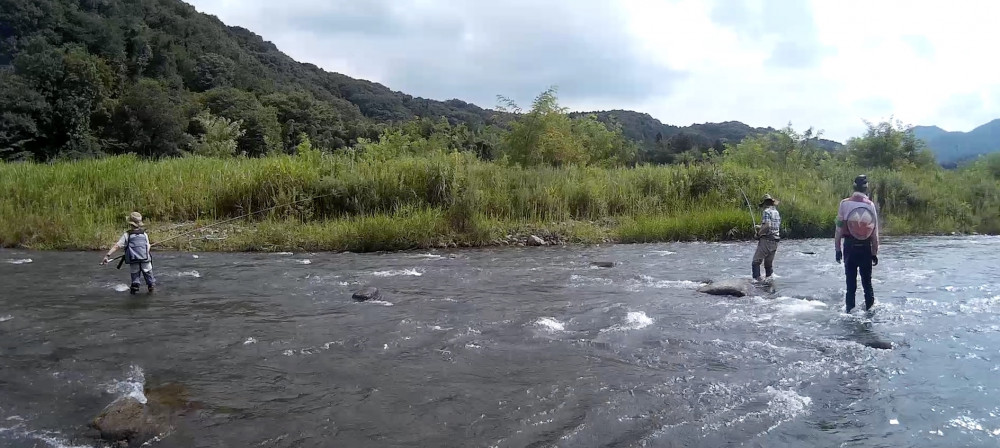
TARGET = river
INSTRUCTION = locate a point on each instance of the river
(509, 348)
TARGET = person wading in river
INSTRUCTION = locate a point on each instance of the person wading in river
(768, 235)
(857, 226)
(136, 244)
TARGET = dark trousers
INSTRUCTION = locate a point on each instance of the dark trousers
(766, 248)
(858, 259)
(141, 271)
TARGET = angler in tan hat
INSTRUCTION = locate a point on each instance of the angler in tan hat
(768, 236)
(136, 244)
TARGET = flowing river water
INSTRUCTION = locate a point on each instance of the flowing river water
(509, 348)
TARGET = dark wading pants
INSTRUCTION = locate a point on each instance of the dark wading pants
(141, 271)
(858, 258)
(766, 248)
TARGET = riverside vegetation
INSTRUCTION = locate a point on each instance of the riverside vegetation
(567, 178)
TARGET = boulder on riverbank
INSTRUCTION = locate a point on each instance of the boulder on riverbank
(367, 293)
(127, 422)
(535, 241)
(736, 287)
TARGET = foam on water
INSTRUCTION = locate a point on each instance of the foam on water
(637, 320)
(398, 273)
(20, 261)
(786, 405)
(970, 424)
(283, 253)
(250, 340)
(120, 287)
(50, 439)
(645, 280)
(378, 302)
(791, 305)
(132, 386)
(305, 261)
(580, 280)
(6, 318)
(634, 320)
(787, 402)
(428, 256)
(191, 273)
(551, 324)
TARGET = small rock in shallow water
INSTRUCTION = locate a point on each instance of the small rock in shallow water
(877, 344)
(369, 293)
(736, 287)
(128, 420)
(603, 264)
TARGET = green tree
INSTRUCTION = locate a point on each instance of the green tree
(889, 145)
(74, 83)
(260, 123)
(547, 135)
(219, 136)
(213, 70)
(150, 120)
(22, 114)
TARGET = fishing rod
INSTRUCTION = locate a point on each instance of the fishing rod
(199, 229)
(750, 210)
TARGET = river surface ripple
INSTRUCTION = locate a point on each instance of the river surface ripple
(510, 348)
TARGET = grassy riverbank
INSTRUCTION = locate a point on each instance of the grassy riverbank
(365, 203)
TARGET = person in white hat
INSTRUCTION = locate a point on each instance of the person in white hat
(136, 244)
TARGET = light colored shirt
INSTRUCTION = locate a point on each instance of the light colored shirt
(857, 200)
(770, 223)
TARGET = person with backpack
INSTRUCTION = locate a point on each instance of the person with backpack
(768, 235)
(136, 245)
(857, 229)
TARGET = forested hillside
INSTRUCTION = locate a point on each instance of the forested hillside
(83, 78)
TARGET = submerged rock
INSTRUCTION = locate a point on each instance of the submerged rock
(535, 241)
(603, 264)
(736, 287)
(732, 287)
(878, 344)
(129, 422)
(368, 293)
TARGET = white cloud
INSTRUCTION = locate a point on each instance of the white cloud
(764, 62)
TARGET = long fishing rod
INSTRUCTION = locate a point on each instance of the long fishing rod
(199, 229)
(749, 208)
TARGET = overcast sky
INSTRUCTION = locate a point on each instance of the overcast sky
(822, 63)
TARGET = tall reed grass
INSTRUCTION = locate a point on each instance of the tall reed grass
(349, 202)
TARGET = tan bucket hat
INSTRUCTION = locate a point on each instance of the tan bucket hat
(135, 219)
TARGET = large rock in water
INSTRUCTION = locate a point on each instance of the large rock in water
(368, 293)
(128, 421)
(736, 287)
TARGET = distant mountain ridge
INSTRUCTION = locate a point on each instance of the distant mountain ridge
(647, 130)
(955, 147)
